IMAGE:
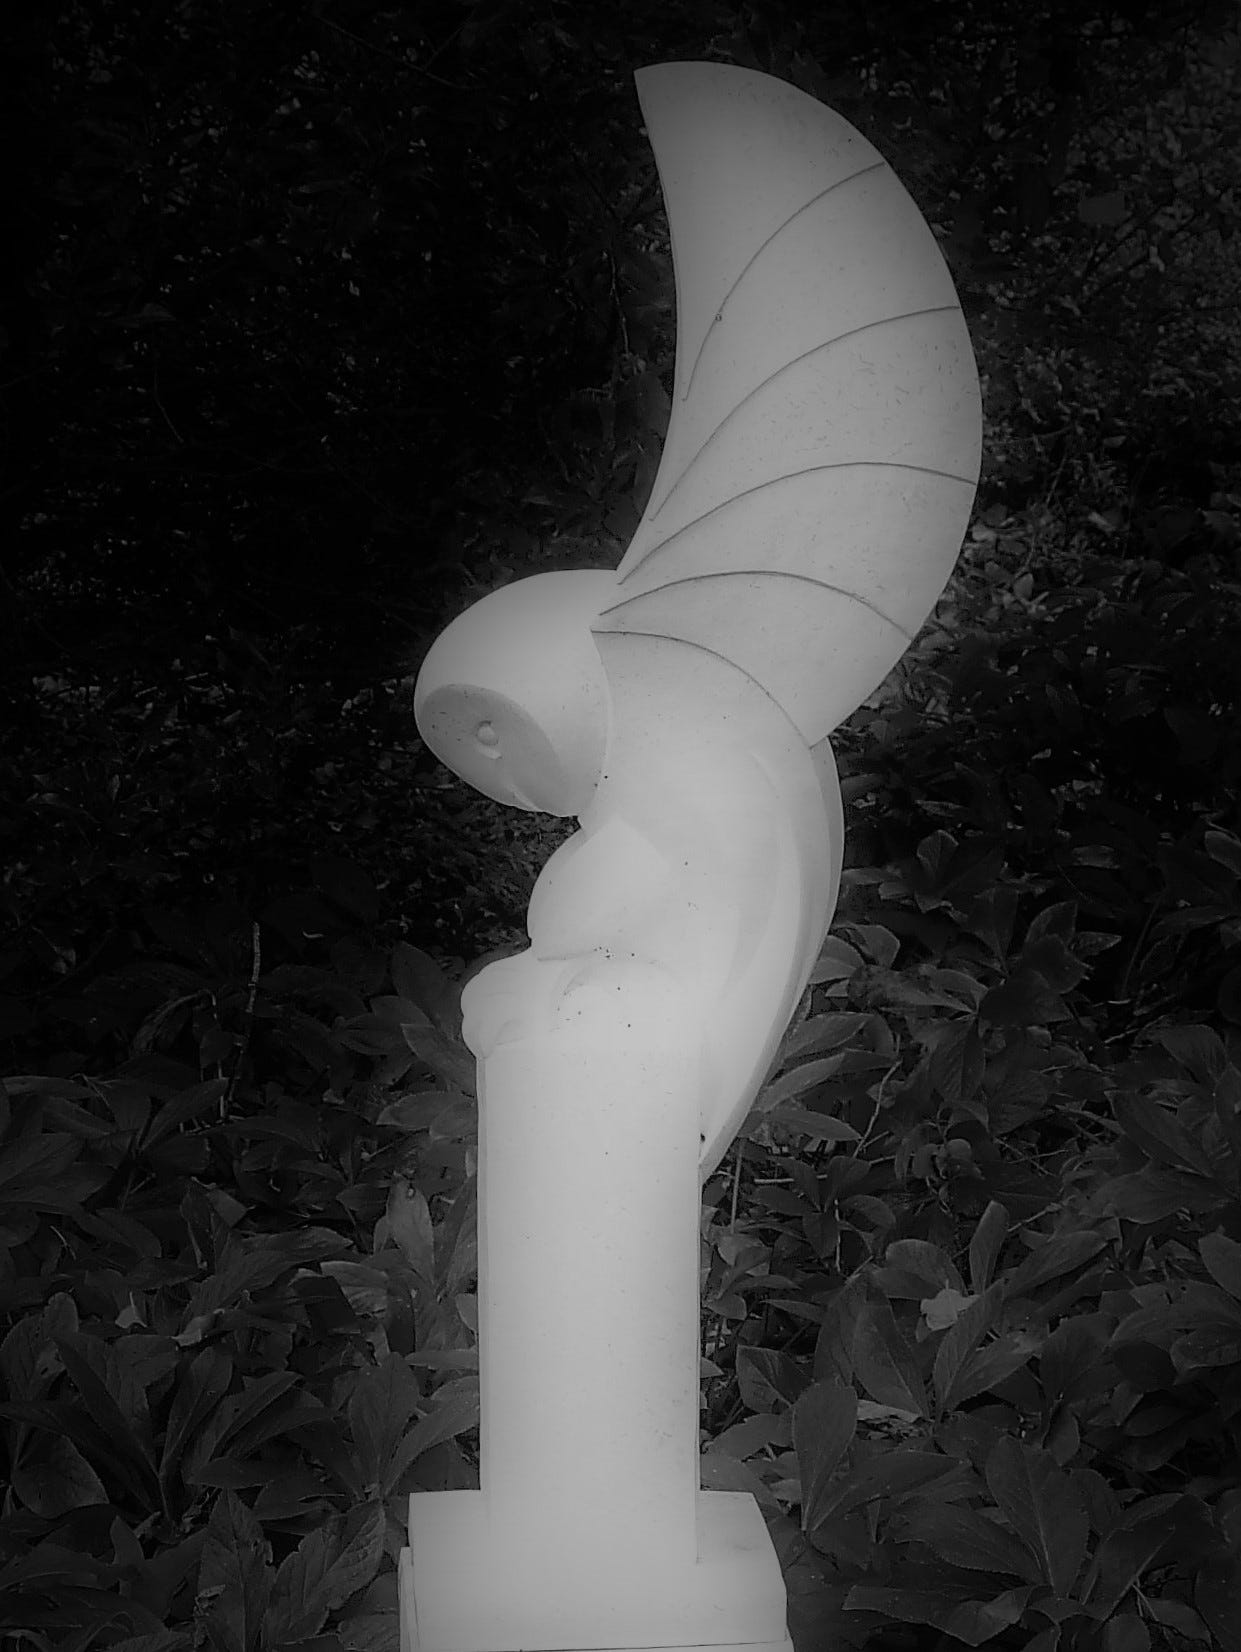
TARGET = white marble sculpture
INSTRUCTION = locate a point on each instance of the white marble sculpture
(816, 481)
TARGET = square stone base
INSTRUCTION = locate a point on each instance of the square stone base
(467, 1587)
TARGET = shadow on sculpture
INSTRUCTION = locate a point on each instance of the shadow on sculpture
(815, 485)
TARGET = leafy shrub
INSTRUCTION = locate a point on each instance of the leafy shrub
(987, 1331)
(172, 1346)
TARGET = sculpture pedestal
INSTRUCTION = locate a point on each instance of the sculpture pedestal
(589, 1530)
(467, 1585)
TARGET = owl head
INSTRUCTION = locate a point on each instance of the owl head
(512, 695)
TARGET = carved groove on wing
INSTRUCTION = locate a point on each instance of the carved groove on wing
(793, 361)
(775, 482)
(766, 574)
(840, 183)
(823, 447)
(715, 653)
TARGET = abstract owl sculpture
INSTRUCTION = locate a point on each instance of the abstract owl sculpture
(816, 482)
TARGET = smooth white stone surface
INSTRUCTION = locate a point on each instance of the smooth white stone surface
(477, 1586)
(814, 488)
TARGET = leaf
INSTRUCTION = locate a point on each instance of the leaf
(1135, 1544)
(833, 1349)
(1187, 920)
(38, 1171)
(964, 1537)
(1151, 1194)
(916, 1268)
(824, 1423)
(862, 1208)
(282, 1416)
(892, 1473)
(837, 961)
(99, 1448)
(384, 1399)
(165, 1640)
(447, 1059)
(991, 916)
(455, 1414)
(1055, 1256)
(417, 1110)
(879, 942)
(203, 1383)
(51, 1561)
(960, 1342)
(114, 1399)
(364, 1288)
(846, 1541)
(1157, 1133)
(1102, 1504)
(328, 1567)
(235, 1576)
(189, 1104)
(379, 1036)
(408, 1217)
(43, 1084)
(958, 985)
(1088, 943)
(1126, 1633)
(1207, 1346)
(884, 1362)
(971, 1621)
(767, 1379)
(949, 871)
(826, 1032)
(1059, 919)
(253, 1264)
(800, 1079)
(51, 1477)
(1024, 1000)
(957, 1063)
(1068, 1360)
(821, 1126)
(1224, 848)
(28, 1359)
(369, 1632)
(1197, 1048)
(232, 1419)
(986, 1243)
(751, 1434)
(458, 1122)
(1043, 1507)
(1179, 1617)
(1223, 1262)
(420, 979)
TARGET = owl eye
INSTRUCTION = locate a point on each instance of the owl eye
(488, 739)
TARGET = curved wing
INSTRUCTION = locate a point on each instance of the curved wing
(823, 450)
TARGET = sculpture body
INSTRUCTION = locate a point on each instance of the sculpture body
(815, 485)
